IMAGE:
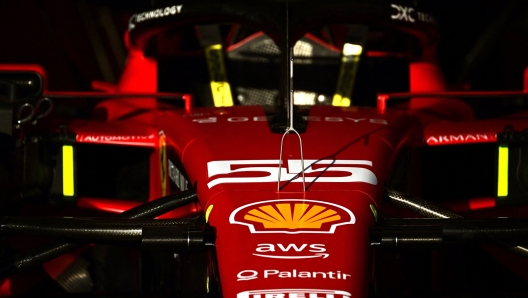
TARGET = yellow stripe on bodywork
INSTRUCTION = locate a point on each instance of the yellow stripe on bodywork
(502, 184)
(207, 212)
(347, 75)
(68, 186)
(217, 73)
(163, 163)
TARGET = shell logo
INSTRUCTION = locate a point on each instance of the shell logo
(292, 216)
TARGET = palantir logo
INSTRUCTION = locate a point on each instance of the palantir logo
(292, 216)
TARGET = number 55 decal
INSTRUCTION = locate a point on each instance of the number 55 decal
(343, 172)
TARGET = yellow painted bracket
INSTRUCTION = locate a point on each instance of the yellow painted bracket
(68, 172)
(217, 73)
(502, 183)
(347, 75)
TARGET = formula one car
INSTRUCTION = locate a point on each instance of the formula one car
(265, 149)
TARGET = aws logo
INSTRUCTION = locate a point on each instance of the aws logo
(291, 251)
(292, 216)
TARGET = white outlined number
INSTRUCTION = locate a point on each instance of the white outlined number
(271, 173)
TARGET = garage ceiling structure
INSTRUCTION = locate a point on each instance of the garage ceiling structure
(484, 43)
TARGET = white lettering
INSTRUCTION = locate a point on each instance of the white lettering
(287, 248)
(304, 274)
(264, 118)
(196, 115)
(206, 120)
(403, 13)
(397, 15)
(319, 274)
(355, 120)
(317, 248)
(265, 247)
(408, 14)
(425, 17)
(245, 275)
(453, 139)
(237, 119)
(378, 121)
(294, 293)
(432, 140)
(457, 138)
(267, 273)
(157, 13)
(334, 119)
(114, 138)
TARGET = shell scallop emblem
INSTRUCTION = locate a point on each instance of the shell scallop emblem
(292, 216)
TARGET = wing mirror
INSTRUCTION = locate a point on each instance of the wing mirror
(16, 84)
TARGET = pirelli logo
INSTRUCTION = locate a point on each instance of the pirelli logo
(294, 293)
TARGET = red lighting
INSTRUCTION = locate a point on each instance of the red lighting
(481, 203)
(382, 103)
(5, 288)
(113, 206)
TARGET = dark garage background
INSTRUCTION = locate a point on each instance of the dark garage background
(484, 43)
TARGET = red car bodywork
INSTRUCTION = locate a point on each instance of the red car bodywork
(275, 238)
